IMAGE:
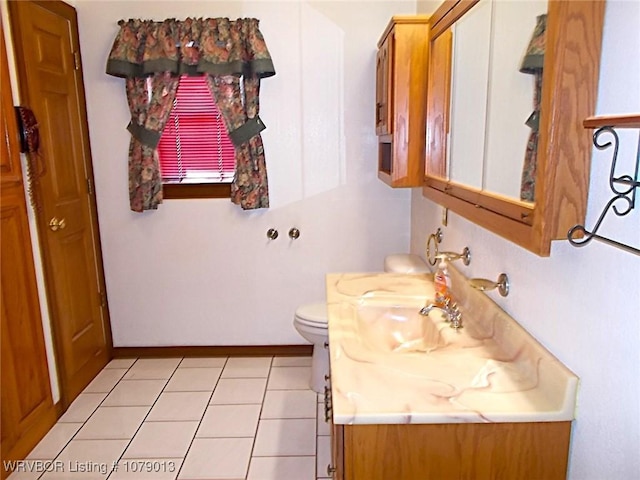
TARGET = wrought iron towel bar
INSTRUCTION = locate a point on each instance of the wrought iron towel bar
(624, 187)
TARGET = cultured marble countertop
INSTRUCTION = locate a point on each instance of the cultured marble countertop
(391, 365)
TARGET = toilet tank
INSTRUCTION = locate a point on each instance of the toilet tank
(405, 263)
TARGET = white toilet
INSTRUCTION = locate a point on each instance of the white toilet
(311, 319)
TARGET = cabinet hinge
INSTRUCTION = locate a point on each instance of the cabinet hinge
(76, 60)
(89, 186)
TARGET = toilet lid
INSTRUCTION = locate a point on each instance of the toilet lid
(312, 313)
(405, 263)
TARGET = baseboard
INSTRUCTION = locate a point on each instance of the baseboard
(214, 351)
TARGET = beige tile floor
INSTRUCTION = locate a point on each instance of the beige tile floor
(249, 418)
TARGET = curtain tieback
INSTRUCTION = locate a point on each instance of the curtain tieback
(240, 135)
(533, 122)
(251, 128)
(147, 137)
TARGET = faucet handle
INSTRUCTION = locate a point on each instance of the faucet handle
(444, 301)
(456, 317)
(456, 323)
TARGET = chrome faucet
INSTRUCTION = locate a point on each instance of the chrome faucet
(450, 310)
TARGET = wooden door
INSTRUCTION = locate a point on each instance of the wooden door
(26, 405)
(45, 37)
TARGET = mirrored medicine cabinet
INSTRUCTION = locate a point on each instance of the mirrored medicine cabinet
(480, 106)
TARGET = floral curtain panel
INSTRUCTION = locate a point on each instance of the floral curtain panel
(152, 55)
(533, 63)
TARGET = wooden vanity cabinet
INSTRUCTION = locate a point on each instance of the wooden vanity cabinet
(401, 96)
(451, 451)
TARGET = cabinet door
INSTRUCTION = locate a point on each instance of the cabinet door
(384, 86)
(439, 88)
(26, 405)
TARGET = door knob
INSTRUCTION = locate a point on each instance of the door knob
(55, 224)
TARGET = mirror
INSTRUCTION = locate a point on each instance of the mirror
(491, 98)
(478, 103)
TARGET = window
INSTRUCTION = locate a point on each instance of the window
(197, 158)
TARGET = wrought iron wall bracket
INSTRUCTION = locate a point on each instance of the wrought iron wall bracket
(624, 187)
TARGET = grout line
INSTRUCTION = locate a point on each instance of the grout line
(92, 413)
(147, 414)
(255, 436)
(206, 407)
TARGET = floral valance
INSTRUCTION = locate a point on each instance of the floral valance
(217, 46)
(233, 56)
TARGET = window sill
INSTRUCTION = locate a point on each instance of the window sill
(196, 190)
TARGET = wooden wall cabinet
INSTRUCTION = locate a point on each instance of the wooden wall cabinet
(451, 451)
(401, 96)
(569, 88)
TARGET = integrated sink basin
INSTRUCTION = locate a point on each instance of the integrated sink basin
(389, 364)
(393, 324)
(396, 328)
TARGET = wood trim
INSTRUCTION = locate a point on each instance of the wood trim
(517, 232)
(337, 452)
(438, 104)
(196, 190)
(447, 14)
(385, 177)
(214, 351)
(569, 91)
(618, 121)
(402, 20)
(517, 210)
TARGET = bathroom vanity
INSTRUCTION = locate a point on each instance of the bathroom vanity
(411, 398)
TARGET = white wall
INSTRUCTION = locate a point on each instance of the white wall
(583, 304)
(202, 272)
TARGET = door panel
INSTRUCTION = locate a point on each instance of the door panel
(20, 331)
(46, 39)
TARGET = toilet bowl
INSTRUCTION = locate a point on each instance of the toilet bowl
(310, 320)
